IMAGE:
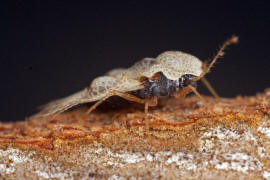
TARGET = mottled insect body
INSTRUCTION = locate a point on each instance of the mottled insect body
(161, 86)
(144, 82)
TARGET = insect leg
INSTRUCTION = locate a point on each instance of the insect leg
(153, 101)
(125, 96)
(93, 107)
(209, 87)
(147, 102)
(196, 92)
(181, 93)
(133, 98)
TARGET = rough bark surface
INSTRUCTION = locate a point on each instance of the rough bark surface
(187, 139)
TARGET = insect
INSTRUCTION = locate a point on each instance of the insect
(172, 73)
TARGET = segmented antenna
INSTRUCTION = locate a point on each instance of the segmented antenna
(232, 40)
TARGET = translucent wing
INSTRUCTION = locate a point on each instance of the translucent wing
(98, 89)
(127, 84)
(128, 79)
(135, 72)
(138, 69)
(147, 67)
(64, 104)
(123, 80)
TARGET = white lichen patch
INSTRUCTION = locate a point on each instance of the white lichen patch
(183, 160)
(10, 158)
(237, 161)
(222, 133)
(266, 175)
(122, 159)
(50, 170)
(5, 169)
(226, 148)
(261, 151)
(118, 159)
(265, 130)
(115, 177)
(49, 175)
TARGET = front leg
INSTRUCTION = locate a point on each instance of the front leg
(150, 102)
(181, 93)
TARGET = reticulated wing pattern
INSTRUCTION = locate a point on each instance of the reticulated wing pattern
(177, 63)
(101, 86)
(116, 73)
(61, 105)
(127, 84)
(98, 89)
(139, 68)
(128, 79)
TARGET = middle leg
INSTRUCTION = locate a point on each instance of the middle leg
(147, 102)
(130, 97)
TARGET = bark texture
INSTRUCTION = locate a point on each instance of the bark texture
(187, 139)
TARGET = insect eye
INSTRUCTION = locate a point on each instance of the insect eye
(187, 80)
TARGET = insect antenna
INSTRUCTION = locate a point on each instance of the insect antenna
(232, 40)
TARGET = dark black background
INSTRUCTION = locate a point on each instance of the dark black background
(50, 50)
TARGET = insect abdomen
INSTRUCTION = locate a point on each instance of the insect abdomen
(160, 86)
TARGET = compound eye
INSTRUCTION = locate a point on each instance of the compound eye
(187, 80)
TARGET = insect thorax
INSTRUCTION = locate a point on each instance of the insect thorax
(161, 86)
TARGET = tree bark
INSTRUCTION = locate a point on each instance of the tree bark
(187, 139)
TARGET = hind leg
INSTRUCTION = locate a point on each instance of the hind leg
(181, 93)
(127, 96)
(150, 102)
(210, 88)
(153, 101)
(196, 92)
(93, 107)
(147, 102)
(130, 97)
